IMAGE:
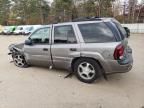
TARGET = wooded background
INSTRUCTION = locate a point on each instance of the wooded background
(18, 12)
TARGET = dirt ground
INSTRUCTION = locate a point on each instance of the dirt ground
(38, 87)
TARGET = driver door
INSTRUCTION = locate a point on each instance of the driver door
(39, 52)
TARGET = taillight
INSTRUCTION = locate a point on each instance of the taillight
(118, 53)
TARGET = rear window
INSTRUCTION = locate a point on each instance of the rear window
(96, 33)
(121, 29)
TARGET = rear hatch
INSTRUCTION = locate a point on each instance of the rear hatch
(127, 55)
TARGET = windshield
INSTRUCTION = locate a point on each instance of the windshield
(6, 28)
(29, 28)
(19, 28)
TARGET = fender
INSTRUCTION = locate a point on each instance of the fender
(97, 56)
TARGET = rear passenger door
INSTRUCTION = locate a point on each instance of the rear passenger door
(65, 45)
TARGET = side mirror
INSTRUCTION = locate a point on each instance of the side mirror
(28, 42)
(127, 31)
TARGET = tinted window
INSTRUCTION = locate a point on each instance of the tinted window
(41, 36)
(21, 28)
(64, 34)
(31, 28)
(96, 33)
(114, 30)
(121, 29)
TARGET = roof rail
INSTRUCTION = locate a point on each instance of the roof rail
(86, 19)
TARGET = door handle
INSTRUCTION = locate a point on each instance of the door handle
(45, 49)
(73, 49)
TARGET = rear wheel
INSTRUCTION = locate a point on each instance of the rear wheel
(19, 61)
(87, 70)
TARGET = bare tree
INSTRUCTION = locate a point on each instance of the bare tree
(132, 8)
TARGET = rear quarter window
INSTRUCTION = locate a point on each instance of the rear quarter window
(96, 33)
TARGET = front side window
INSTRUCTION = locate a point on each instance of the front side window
(64, 34)
(41, 36)
(96, 33)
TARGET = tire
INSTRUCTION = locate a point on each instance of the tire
(87, 70)
(20, 61)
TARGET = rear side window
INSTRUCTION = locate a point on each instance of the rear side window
(96, 33)
(64, 35)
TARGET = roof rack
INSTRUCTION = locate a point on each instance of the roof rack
(87, 19)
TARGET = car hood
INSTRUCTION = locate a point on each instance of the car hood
(6, 31)
(18, 47)
(17, 31)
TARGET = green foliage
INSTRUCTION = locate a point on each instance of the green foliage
(99, 8)
(90, 8)
(39, 11)
(4, 11)
(63, 9)
(104, 7)
(31, 11)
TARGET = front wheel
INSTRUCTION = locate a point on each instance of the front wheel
(19, 61)
(86, 70)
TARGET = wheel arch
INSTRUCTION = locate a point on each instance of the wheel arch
(77, 58)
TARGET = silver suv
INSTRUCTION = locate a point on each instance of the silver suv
(89, 48)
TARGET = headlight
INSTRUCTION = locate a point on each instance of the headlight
(10, 47)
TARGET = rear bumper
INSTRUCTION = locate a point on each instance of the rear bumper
(120, 66)
(117, 68)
